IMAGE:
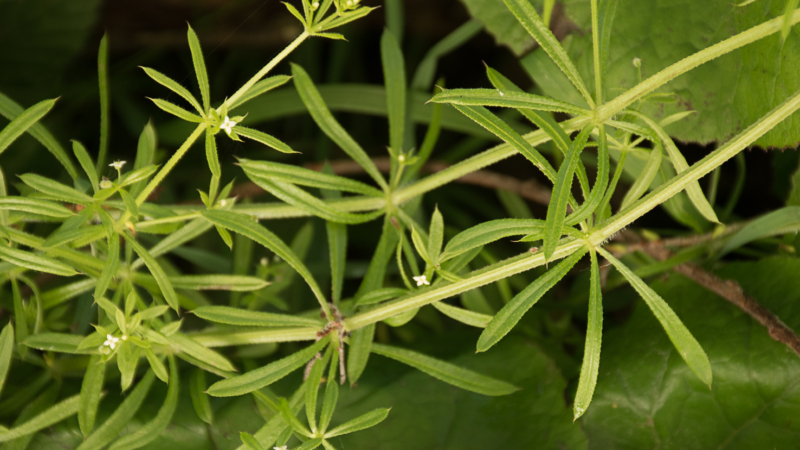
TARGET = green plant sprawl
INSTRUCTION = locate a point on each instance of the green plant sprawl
(153, 360)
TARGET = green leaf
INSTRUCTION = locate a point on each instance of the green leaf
(360, 349)
(23, 121)
(511, 313)
(127, 356)
(86, 163)
(505, 99)
(420, 244)
(175, 87)
(211, 153)
(11, 110)
(310, 444)
(242, 317)
(325, 120)
(312, 388)
(197, 391)
(449, 373)
(35, 262)
(261, 87)
(51, 416)
(56, 342)
(120, 418)
(377, 266)
(35, 206)
(394, 76)
(264, 138)
(156, 365)
(344, 18)
(645, 178)
(264, 376)
(305, 177)
(781, 221)
(105, 105)
(199, 67)
(466, 316)
(56, 190)
(435, 236)
(176, 111)
(109, 268)
(130, 203)
(489, 231)
(381, 295)
(594, 337)
(151, 430)
(6, 350)
(198, 351)
(145, 151)
(242, 224)
(332, 392)
(688, 347)
(163, 281)
(250, 441)
(529, 19)
(91, 392)
(240, 283)
(337, 253)
(363, 422)
(557, 208)
(693, 190)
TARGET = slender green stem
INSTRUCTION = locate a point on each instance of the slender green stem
(271, 65)
(611, 108)
(713, 186)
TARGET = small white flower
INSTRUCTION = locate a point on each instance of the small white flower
(264, 261)
(422, 280)
(223, 202)
(314, 6)
(401, 158)
(637, 62)
(282, 447)
(228, 125)
(117, 164)
(111, 341)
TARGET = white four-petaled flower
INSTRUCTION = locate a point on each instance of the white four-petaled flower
(111, 341)
(422, 279)
(117, 164)
(227, 125)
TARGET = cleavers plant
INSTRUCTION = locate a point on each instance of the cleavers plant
(139, 314)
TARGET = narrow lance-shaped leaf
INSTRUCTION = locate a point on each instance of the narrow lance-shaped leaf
(687, 346)
(242, 317)
(529, 19)
(644, 179)
(310, 444)
(444, 371)
(6, 350)
(505, 99)
(781, 221)
(156, 365)
(305, 177)
(362, 422)
(176, 111)
(91, 392)
(595, 197)
(264, 138)
(510, 314)
(109, 268)
(490, 231)
(435, 236)
(197, 391)
(130, 203)
(11, 110)
(51, 416)
(199, 67)
(158, 273)
(120, 418)
(325, 120)
(594, 336)
(86, 163)
(211, 153)
(241, 283)
(250, 442)
(394, 76)
(35, 206)
(105, 103)
(693, 190)
(360, 349)
(174, 86)
(264, 376)
(337, 251)
(153, 429)
(198, 351)
(35, 262)
(24, 121)
(557, 209)
(259, 88)
(331, 393)
(145, 151)
(462, 315)
(242, 224)
(312, 388)
(54, 189)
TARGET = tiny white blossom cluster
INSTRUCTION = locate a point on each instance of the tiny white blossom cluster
(422, 280)
(228, 125)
